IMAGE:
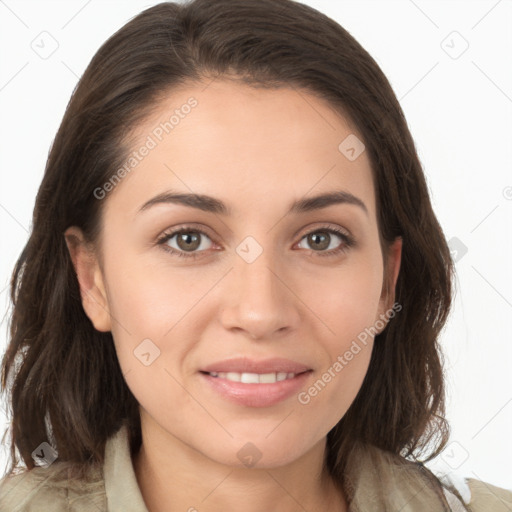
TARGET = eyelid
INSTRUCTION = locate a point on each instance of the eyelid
(199, 228)
(321, 226)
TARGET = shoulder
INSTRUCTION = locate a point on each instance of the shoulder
(32, 490)
(485, 496)
(42, 489)
(477, 495)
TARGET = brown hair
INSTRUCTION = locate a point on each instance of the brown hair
(67, 385)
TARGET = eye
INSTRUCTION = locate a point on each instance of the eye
(189, 244)
(322, 238)
(187, 239)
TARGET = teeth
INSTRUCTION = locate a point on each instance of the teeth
(253, 378)
(246, 378)
(267, 378)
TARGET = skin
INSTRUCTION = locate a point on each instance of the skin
(258, 151)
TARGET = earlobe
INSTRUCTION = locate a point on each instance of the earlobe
(90, 279)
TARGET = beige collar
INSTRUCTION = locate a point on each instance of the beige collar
(122, 489)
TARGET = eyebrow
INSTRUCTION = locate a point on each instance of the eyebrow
(211, 204)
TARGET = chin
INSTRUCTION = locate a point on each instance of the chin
(258, 452)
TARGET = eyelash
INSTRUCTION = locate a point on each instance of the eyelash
(348, 241)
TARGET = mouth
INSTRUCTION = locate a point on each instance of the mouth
(254, 389)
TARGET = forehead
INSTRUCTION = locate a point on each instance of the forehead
(227, 139)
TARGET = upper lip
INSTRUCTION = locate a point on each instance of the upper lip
(245, 365)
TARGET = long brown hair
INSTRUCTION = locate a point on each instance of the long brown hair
(63, 377)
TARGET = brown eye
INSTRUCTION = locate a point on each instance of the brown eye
(320, 239)
(187, 242)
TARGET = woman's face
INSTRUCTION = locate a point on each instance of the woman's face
(246, 281)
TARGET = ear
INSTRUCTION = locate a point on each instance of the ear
(391, 271)
(90, 279)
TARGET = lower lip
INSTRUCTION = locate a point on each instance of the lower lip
(257, 395)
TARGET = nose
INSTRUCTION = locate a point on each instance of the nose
(260, 298)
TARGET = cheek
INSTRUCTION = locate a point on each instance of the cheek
(349, 351)
(348, 305)
(347, 299)
(150, 298)
(346, 372)
(151, 309)
(145, 304)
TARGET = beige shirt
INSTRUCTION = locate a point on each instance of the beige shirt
(114, 488)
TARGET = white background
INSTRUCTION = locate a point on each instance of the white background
(459, 111)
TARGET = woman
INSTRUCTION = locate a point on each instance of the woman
(235, 282)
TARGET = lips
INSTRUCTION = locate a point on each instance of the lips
(252, 383)
(251, 394)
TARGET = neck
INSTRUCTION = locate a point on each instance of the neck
(173, 476)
